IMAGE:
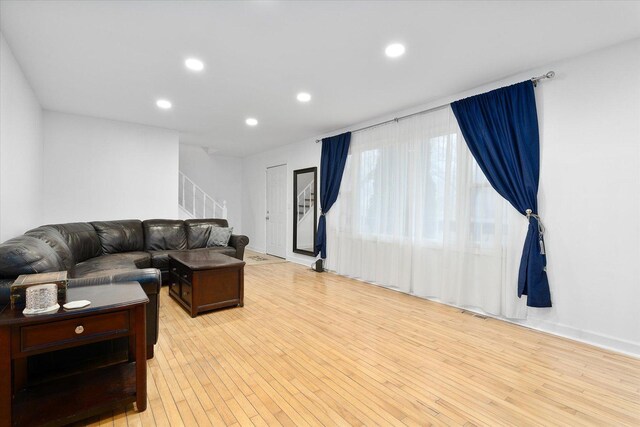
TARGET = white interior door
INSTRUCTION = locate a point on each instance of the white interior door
(276, 214)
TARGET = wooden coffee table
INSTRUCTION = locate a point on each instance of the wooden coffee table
(116, 311)
(203, 281)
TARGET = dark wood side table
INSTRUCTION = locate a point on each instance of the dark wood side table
(203, 281)
(116, 311)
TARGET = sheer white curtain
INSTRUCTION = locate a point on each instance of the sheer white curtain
(416, 214)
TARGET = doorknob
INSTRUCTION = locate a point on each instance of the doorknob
(267, 217)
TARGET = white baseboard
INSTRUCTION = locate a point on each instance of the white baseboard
(618, 345)
(628, 348)
(302, 260)
(259, 250)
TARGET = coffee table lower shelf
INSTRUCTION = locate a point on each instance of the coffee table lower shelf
(91, 394)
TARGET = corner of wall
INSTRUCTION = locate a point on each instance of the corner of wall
(21, 148)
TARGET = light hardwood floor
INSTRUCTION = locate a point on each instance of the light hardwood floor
(320, 349)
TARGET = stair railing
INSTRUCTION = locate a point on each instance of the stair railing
(196, 202)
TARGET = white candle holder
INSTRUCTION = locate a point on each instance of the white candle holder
(41, 299)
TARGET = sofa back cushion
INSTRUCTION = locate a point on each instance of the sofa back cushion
(54, 239)
(164, 234)
(81, 238)
(199, 230)
(27, 255)
(120, 236)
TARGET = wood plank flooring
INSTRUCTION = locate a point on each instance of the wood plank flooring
(319, 349)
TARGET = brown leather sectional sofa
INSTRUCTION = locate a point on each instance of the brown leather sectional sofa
(111, 251)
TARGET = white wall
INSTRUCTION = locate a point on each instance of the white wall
(589, 193)
(21, 149)
(302, 155)
(590, 197)
(218, 176)
(98, 169)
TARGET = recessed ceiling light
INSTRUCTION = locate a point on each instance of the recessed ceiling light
(304, 97)
(194, 64)
(163, 103)
(394, 50)
(251, 121)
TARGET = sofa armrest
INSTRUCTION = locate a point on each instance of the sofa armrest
(149, 278)
(5, 289)
(239, 242)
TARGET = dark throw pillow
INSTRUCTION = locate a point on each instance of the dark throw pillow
(219, 236)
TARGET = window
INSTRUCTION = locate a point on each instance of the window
(416, 213)
(408, 189)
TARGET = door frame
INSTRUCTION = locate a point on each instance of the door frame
(266, 194)
(294, 223)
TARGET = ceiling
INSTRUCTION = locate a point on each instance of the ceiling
(113, 59)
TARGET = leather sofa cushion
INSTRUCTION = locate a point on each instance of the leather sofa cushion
(160, 259)
(125, 260)
(27, 255)
(164, 234)
(120, 236)
(198, 230)
(81, 238)
(140, 258)
(56, 241)
(149, 278)
(99, 266)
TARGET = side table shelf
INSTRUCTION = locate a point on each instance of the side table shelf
(101, 390)
(117, 312)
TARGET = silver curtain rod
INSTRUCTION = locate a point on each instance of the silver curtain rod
(535, 80)
(547, 75)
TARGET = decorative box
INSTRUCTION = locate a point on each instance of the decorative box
(19, 287)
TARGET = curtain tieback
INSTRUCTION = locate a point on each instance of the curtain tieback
(322, 213)
(530, 214)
